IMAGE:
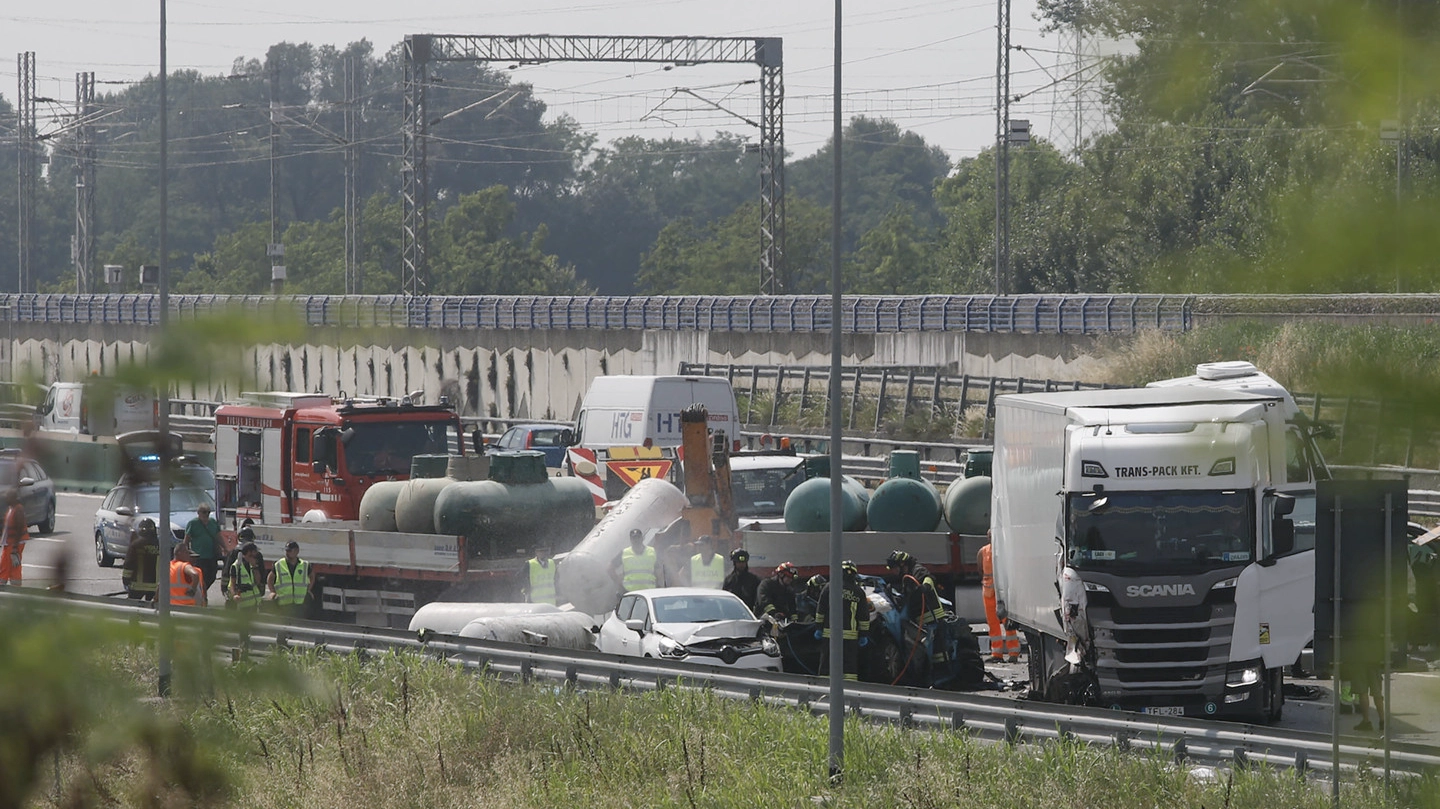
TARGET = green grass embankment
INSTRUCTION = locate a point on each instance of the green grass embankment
(338, 733)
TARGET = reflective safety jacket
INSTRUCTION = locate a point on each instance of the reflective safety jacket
(291, 584)
(922, 597)
(248, 586)
(711, 575)
(542, 582)
(987, 569)
(185, 582)
(638, 569)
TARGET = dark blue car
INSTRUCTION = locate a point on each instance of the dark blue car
(550, 439)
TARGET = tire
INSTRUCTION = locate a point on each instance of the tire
(885, 661)
(102, 554)
(1274, 695)
(47, 526)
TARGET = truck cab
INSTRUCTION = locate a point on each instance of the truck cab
(282, 456)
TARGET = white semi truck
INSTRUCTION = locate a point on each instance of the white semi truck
(1156, 545)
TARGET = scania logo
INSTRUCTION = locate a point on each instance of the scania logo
(1148, 590)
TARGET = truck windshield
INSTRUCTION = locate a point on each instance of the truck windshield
(1177, 530)
(386, 447)
(762, 492)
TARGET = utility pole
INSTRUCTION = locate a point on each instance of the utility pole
(1002, 146)
(84, 246)
(353, 279)
(26, 165)
(275, 250)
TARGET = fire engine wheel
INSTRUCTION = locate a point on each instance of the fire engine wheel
(102, 555)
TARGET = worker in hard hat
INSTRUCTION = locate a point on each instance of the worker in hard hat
(540, 583)
(707, 568)
(854, 621)
(138, 574)
(775, 599)
(741, 581)
(638, 567)
(924, 611)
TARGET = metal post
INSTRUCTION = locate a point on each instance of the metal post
(1002, 146)
(1384, 714)
(837, 577)
(162, 559)
(1335, 636)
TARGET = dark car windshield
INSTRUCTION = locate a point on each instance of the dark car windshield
(699, 609)
(386, 447)
(147, 500)
(1174, 530)
(762, 492)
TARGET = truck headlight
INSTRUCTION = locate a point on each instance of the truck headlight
(770, 647)
(1238, 678)
(669, 648)
(1094, 587)
(1227, 584)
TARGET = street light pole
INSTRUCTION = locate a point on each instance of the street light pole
(162, 532)
(837, 580)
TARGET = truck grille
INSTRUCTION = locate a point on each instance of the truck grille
(1155, 651)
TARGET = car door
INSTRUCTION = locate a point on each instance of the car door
(117, 531)
(33, 498)
(613, 631)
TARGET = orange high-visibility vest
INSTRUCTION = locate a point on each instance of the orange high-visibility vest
(184, 583)
(987, 570)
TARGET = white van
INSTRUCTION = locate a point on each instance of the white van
(68, 409)
(644, 412)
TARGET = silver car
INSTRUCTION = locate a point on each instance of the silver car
(129, 503)
(37, 489)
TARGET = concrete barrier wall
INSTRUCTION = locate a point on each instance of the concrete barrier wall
(530, 373)
(83, 463)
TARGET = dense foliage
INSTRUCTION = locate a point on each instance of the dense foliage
(1244, 154)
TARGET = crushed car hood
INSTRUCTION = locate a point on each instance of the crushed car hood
(695, 633)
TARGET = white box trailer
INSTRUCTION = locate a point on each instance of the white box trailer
(1156, 545)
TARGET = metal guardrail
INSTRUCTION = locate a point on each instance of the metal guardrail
(986, 718)
(863, 314)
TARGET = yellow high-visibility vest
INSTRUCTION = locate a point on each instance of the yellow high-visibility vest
(638, 569)
(711, 575)
(542, 582)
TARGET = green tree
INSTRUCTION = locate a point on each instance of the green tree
(723, 257)
(474, 256)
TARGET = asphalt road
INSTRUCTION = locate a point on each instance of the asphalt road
(70, 551)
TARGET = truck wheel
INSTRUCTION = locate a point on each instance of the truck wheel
(1274, 694)
(1035, 662)
(102, 555)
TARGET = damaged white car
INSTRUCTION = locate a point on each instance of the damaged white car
(709, 627)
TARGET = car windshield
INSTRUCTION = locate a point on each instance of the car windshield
(762, 492)
(1175, 530)
(147, 500)
(386, 447)
(700, 609)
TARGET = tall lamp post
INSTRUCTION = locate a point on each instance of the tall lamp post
(837, 650)
(162, 559)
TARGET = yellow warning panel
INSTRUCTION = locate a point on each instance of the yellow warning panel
(632, 472)
(634, 453)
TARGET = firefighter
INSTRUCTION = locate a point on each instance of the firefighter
(775, 599)
(854, 620)
(741, 581)
(187, 583)
(138, 574)
(808, 601)
(921, 600)
(1007, 643)
(540, 584)
(707, 569)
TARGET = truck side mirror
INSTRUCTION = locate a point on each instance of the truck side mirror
(1282, 535)
(325, 452)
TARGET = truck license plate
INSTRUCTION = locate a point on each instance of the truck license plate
(1165, 710)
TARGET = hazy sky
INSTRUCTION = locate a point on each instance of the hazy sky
(928, 65)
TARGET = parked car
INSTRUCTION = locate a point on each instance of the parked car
(129, 503)
(551, 439)
(708, 627)
(37, 489)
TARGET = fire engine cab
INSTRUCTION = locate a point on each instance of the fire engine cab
(282, 456)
